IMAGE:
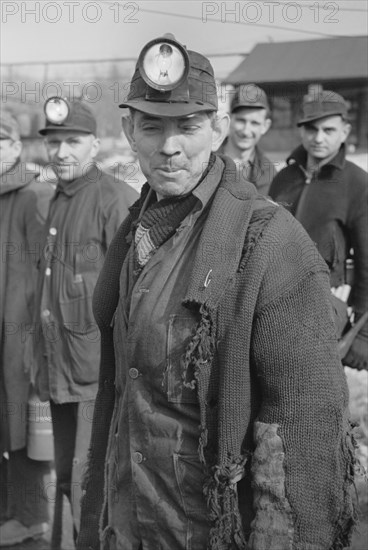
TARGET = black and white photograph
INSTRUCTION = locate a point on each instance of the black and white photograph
(184, 275)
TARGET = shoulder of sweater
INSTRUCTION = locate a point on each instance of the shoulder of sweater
(282, 224)
(284, 256)
(274, 228)
(282, 220)
(288, 240)
(234, 181)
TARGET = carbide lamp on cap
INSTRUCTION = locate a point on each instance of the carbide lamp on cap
(171, 81)
(164, 63)
(56, 110)
(68, 115)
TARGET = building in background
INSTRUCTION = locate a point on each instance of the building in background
(289, 70)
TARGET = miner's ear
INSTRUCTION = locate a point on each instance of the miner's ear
(220, 126)
(128, 128)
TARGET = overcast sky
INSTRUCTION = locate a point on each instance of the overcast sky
(80, 30)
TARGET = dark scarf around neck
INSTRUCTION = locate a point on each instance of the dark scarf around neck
(160, 220)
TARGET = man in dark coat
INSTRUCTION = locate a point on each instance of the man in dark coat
(24, 202)
(221, 418)
(329, 196)
(84, 215)
(250, 119)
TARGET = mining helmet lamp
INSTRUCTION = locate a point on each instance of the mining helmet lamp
(56, 110)
(64, 115)
(171, 81)
(164, 63)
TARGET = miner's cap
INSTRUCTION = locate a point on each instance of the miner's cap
(63, 115)
(9, 127)
(322, 104)
(249, 96)
(171, 81)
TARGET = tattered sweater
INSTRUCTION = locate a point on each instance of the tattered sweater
(275, 439)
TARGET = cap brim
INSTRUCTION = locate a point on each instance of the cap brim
(167, 109)
(249, 106)
(50, 129)
(318, 117)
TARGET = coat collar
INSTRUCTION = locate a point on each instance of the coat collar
(258, 158)
(299, 155)
(71, 188)
(222, 240)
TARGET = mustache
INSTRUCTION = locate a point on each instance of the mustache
(169, 167)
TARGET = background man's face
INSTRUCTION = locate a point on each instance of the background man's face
(323, 138)
(71, 153)
(247, 126)
(9, 153)
(173, 152)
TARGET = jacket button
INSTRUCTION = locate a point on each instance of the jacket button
(48, 271)
(137, 457)
(53, 231)
(46, 313)
(133, 373)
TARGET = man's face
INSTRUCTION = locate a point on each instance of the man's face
(9, 153)
(71, 153)
(247, 126)
(322, 138)
(173, 151)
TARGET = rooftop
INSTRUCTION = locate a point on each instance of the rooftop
(309, 60)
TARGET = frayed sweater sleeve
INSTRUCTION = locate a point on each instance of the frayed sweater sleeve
(303, 459)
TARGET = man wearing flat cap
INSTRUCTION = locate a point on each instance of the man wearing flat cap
(24, 202)
(329, 196)
(221, 416)
(85, 213)
(250, 119)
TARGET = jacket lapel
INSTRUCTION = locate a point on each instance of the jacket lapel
(222, 240)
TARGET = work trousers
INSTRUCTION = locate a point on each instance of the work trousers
(26, 488)
(72, 424)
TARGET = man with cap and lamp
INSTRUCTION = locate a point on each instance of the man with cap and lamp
(207, 430)
(85, 213)
(250, 119)
(24, 202)
(329, 196)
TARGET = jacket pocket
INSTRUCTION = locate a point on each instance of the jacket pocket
(79, 277)
(190, 478)
(180, 331)
(81, 338)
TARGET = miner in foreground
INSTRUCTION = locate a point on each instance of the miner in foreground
(221, 418)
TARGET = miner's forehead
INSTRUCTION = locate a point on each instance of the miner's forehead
(67, 134)
(147, 116)
(335, 121)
